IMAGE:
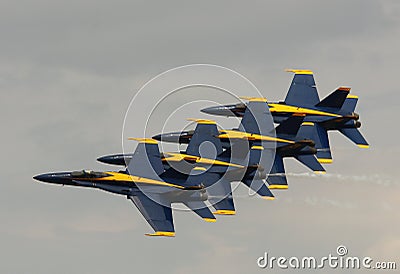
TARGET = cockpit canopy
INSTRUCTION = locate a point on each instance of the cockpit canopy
(88, 174)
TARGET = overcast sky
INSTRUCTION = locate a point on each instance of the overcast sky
(69, 70)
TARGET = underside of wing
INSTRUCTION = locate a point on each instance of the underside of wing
(157, 213)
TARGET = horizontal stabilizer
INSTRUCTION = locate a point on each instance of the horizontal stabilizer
(277, 178)
(201, 209)
(354, 135)
(311, 162)
(224, 206)
(322, 145)
(335, 99)
(258, 186)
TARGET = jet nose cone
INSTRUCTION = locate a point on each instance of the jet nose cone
(117, 159)
(105, 159)
(227, 110)
(172, 137)
(41, 177)
(54, 178)
(157, 137)
(46, 178)
(214, 110)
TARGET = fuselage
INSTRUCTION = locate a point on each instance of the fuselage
(123, 183)
(333, 118)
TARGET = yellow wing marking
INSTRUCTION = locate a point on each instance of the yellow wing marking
(121, 177)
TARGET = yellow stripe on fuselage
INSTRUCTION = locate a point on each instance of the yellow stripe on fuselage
(122, 177)
(177, 157)
(281, 108)
(234, 134)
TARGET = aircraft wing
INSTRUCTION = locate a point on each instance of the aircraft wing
(220, 197)
(201, 209)
(159, 216)
(219, 191)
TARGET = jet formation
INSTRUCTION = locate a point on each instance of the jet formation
(251, 154)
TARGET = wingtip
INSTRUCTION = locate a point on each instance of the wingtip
(278, 186)
(210, 220)
(351, 96)
(202, 121)
(300, 71)
(363, 146)
(254, 99)
(224, 212)
(161, 233)
(344, 88)
(268, 198)
(144, 140)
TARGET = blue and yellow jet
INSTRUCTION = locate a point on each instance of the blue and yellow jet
(242, 147)
(216, 168)
(293, 140)
(242, 161)
(147, 184)
(335, 112)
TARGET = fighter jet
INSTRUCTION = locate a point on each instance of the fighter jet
(243, 146)
(292, 140)
(219, 168)
(145, 182)
(334, 112)
(244, 160)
